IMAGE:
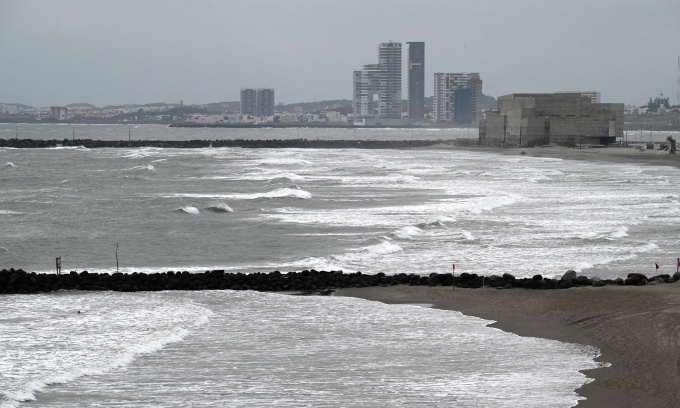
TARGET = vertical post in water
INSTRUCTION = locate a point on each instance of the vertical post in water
(454, 276)
(73, 137)
(129, 138)
(17, 132)
(58, 265)
(116, 257)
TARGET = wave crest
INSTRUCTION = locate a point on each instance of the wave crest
(188, 210)
(219, 208)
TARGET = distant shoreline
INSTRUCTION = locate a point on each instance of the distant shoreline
(628, 126)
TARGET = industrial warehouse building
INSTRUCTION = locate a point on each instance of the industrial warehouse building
(567, 119)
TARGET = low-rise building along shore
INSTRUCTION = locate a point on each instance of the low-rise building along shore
(567, 119)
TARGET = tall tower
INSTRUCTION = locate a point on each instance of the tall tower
(416, 80)
(389, 59)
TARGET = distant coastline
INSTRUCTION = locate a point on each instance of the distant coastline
(627, 126)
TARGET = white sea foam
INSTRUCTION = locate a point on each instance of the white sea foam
(467, 235)
(10, 212)
(620, 233)
(147, 167)
(56, 338)
(278, 193)
(407, 232)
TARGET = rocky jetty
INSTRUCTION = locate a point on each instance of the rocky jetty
(307, 281)
(243, 143)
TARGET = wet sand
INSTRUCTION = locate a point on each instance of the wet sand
(637, 330)
(604, 154)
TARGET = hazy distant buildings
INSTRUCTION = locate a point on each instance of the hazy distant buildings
(381, 81)
(559, 118)
(593, 95)
(416, 80)
(457, 97)
(58, 112)
(257, 101)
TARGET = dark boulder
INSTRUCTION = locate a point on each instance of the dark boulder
(569, 276)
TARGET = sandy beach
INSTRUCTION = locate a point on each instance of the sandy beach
(606, 154)
(637, 330)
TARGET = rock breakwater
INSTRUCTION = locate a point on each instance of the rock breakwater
(308, 281)
(243, 143)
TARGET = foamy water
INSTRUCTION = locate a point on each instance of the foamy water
(238, 349)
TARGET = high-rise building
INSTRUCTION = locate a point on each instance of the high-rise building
(381, 81)
(366, 91)
(457, 97)
(416, 80)
(389, 59)
(257, 101)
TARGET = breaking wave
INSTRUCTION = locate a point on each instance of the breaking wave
(188, 210)
(219, 208)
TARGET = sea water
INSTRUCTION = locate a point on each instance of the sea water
(244, 349)
(390, 211)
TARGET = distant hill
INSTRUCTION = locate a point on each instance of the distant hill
(19, 106)
(81, 106)
(343, 106)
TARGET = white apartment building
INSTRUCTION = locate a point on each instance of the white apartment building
(58, 112)
(377, 87)
(257, 101)
(457, 97)
(389, 59)
(366, 91)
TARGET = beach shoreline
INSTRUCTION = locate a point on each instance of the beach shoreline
(635, 328)
(616, 154)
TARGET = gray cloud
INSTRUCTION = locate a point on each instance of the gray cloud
(204, 51)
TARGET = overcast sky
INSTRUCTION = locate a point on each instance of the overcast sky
(142, 51)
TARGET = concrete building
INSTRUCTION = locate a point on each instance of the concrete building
(416, 80)
(257, 101)
(593, 95)
(567, 119)
(378, 86)
(58, 112)
(457, 97)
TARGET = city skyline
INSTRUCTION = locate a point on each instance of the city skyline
(56, 53)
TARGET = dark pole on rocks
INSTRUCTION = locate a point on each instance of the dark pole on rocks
(454, 276)
(116, 257)
(58, 265)
(129, 138)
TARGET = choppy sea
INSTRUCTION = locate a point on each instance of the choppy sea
(391, 211)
